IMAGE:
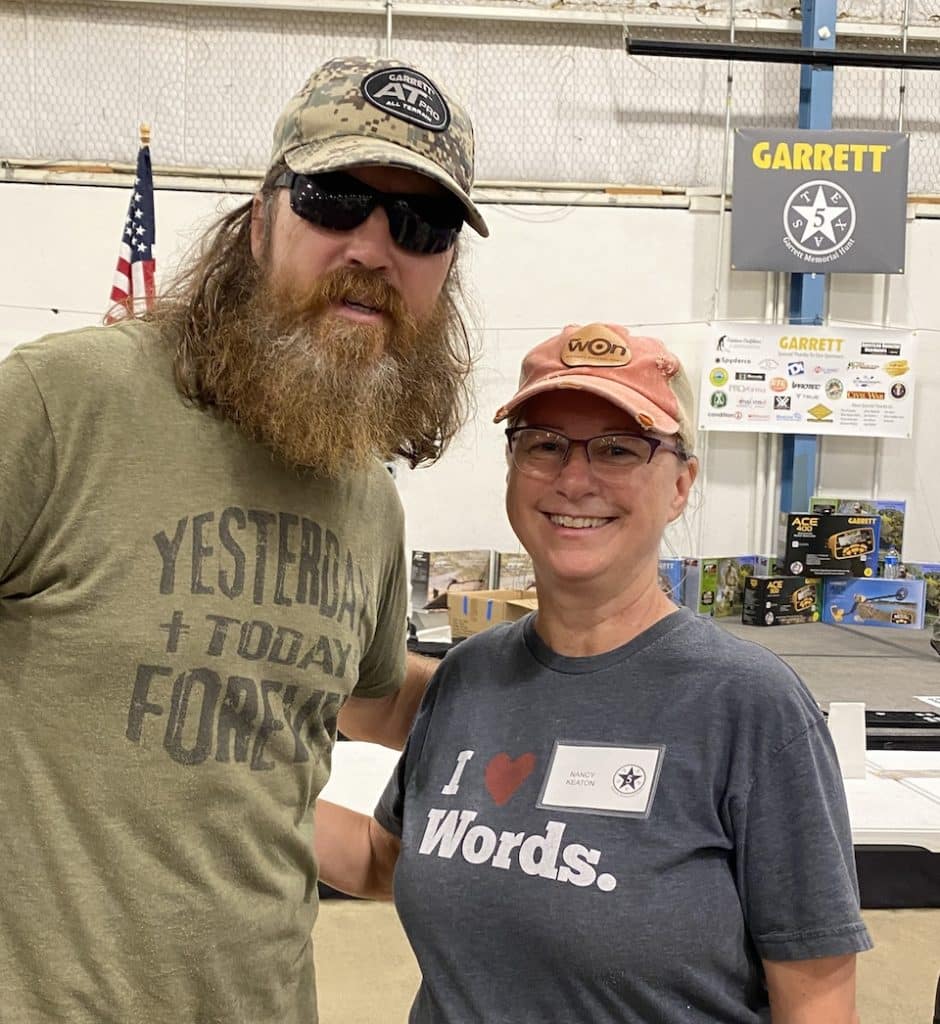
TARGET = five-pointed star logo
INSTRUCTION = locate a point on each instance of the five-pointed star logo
(628, 778)
(819, 216)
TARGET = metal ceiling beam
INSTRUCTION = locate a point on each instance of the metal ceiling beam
(679, 22)
(813, 57)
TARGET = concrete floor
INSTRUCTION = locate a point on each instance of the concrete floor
(366, 973)
(887, 669)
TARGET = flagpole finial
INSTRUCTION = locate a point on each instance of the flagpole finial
(144, 134)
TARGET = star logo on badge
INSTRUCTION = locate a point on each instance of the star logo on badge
(629, 779)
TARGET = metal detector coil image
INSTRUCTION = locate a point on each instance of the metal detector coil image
(871, 609)
(852, 543)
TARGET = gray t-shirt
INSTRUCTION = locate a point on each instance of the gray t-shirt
(618, 838)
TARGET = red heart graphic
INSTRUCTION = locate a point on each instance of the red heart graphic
(503, 776)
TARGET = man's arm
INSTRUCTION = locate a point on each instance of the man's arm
(810, 991)
(355, 854)
(387, 720)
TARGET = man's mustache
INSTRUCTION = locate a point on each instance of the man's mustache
(354, 285)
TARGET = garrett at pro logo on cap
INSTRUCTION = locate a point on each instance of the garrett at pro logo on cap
(595, 345)
(409, 96)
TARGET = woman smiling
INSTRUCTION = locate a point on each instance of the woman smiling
(611, 810)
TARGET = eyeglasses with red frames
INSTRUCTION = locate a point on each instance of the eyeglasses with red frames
(542, 453)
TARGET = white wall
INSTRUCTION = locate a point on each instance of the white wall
(542, 267)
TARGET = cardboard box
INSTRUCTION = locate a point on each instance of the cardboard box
(474, 611)
(888, 604)
(891, 513)
(780, 600)
(816, 544)
(929, 572)
(513, 571)
(715, 586)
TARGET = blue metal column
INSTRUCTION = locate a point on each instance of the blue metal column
(807, 291)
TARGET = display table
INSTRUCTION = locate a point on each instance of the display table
(895, 814)
(898, 803)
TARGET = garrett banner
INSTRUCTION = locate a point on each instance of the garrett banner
(817, 202)
(785, 379)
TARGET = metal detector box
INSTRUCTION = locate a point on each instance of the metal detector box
(671, 578)
(513, 571)
(889, 604)
(434, 574)
(891, 514)
(715, 586)
(780, 600)
(929, 572)
(815, 544)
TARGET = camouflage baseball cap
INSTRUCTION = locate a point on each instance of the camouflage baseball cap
(363, 110)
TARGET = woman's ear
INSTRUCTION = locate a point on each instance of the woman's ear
(685, 481)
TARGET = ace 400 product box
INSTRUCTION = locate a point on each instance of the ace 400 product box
(890, 512)
(780, 600)
(892, 604)
(814, 544)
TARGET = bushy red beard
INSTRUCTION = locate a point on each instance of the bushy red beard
(326, 392)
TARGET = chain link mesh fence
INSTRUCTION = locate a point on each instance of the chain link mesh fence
(553, 101)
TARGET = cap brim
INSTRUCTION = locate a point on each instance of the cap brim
(352, 150)
(625, 398)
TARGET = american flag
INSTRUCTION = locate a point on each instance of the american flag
(132, 291)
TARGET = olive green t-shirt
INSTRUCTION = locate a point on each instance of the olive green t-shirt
(181, 618)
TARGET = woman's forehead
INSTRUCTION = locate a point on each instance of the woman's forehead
(566, 406)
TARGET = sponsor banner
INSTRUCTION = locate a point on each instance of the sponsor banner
(818, 202)
(790, 379)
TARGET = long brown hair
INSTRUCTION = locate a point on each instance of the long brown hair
(219, 273)
(221, 276)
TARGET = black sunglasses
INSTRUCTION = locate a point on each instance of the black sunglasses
(423, 224)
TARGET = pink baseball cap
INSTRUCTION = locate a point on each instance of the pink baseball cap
(639, 375)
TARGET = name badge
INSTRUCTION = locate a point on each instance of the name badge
(597, 778)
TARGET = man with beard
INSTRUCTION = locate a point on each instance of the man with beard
(202, 570)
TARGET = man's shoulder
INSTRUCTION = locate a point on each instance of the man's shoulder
(378, 494)
(102, 354)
